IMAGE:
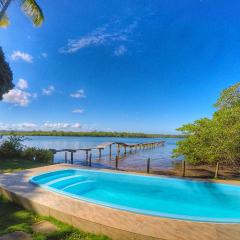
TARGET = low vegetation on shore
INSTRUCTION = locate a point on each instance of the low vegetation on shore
(89, 134)
(13, 148)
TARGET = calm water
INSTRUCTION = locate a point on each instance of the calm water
(160, 156)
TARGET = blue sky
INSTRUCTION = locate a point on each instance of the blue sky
(146, 66)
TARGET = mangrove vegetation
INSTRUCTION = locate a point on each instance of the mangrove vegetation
(216, 139)
(89, 134)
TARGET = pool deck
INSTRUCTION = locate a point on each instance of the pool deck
(117, 224)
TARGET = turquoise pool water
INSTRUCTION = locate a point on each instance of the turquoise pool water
(157, 196)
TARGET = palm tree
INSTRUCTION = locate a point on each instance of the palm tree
(29, 7)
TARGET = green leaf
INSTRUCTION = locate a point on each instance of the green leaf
(33, 11)
(4, 22)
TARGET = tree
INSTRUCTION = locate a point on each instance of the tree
(216, 139)
(32, 10)
(29, 7)
(229, 97)
(6, 77)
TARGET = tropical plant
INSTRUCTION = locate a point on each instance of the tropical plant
(29, 7)
(216, 139)
(6, 76)
(12, 147)
(38, 154)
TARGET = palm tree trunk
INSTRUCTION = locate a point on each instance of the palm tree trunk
(4, 8)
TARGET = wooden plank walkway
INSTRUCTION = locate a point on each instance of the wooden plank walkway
(102, 146)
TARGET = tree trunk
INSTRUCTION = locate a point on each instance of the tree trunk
(4, 8)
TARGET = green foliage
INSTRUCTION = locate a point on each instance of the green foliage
(6, 77)
(38, 154)
(12, 147)
(216, 139)
(29, 7)
(229, 97)
(93, 134)
(33, 11)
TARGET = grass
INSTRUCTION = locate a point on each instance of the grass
(13, 165)
(14, 218)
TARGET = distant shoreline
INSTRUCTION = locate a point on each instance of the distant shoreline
(90, 134)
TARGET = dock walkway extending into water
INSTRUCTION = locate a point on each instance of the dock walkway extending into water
(102, 146)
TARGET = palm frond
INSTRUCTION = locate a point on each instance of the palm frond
(2, 3)
(32, 10)
(4, 21)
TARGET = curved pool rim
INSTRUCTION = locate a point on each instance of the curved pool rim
(132, 210)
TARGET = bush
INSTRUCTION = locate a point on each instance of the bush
(12, 147)
(38, 154)
(216, 139)
(44, 155)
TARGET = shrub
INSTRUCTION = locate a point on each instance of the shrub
(44, 155)
(29, 153)
(216, 139)
(38, 154)
(12, 147)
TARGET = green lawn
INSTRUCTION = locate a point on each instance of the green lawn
(14, 218)
(13, 165)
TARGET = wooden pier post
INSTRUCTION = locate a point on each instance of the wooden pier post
(100, 153)
(125, 150)
(90, 160)
(86, 155)
(66, 157)
(116, 162)
(183, 168)
(71, 157)
(110, 151)
(118, 150)
(148, 165)
(216, 170)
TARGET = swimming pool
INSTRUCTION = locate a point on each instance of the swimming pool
(156, 196)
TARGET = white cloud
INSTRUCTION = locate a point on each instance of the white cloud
(121, 50)
(47, 126)
(101, 36)
(18, 126)
(16, 55)
(76, 125)
(49, 90)
(78, 94)
(17, 97)
(56, 125)
(44, 55)
(60, 126)
(78, 110)
(22, 84)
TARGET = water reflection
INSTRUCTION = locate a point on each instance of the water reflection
(160, 156)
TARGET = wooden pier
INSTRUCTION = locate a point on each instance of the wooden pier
(121, 148)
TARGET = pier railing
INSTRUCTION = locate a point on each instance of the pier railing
(114, 159)
(122, 149)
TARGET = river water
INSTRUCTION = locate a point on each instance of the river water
(161, 156)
